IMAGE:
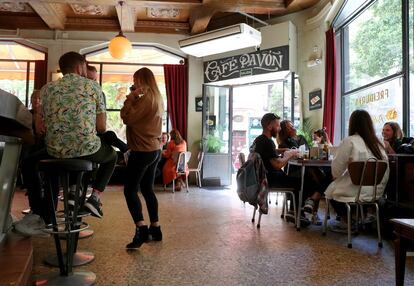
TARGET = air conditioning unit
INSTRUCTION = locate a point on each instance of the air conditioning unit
(226, 39)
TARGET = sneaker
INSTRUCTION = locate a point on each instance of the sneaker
(155, 233)
(27, 211)
(94, 205)
(369, 218)
(309, 206)
(304, 222)
(316, 220)
(340, 227)
(31, 225)
(141, 236)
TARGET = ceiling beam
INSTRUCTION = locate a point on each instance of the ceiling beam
(200, 18)
(126, 17)
(94, 24)
(254, 6)
(49, 13)
(179, 4)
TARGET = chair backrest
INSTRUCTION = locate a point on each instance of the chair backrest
(367, 173)
(242, 158)
(200, 160)
(182, 162)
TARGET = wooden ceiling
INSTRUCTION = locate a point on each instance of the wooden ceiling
(160, 16)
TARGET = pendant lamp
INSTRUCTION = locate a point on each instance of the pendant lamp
(120, 45)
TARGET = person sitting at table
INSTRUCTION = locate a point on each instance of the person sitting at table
(273, 160)
(317, 177)
(288, 137)
(165, 138)
(320, 137)
(176, 145)
(393, 135)
(361, 144)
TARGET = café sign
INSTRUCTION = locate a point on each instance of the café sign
(259, 62)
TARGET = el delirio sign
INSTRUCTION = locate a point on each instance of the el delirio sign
(259, 62)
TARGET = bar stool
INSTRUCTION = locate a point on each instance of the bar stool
(71, 222)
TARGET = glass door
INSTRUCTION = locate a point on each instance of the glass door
(217, 142)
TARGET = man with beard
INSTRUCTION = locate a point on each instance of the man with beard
(273, 161)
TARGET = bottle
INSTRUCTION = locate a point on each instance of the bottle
(325, 151)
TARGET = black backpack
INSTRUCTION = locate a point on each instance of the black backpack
(252, 182)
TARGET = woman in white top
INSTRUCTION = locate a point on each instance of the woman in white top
(361, 144)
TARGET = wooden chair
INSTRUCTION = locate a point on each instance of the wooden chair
(367, 173)
(197, 170)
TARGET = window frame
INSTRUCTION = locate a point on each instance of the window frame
(340, 23)
(101, 65)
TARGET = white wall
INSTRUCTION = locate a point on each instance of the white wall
(310, 34)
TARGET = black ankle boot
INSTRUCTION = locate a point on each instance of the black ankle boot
(155, 232)
(141, 236)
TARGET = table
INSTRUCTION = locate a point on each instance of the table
(303, 163)
(404, 230)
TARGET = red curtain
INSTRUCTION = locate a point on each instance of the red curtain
(330, 84)
(176, 85)
(40, 75)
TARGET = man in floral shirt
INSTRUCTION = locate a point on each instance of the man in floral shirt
(73, 112)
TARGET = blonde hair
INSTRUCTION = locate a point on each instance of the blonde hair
(147, 83)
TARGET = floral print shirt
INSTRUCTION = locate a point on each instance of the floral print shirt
(70, 106)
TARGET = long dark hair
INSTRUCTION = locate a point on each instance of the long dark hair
(283, 134)
(360, 123)
(396, 131)
(176, 136)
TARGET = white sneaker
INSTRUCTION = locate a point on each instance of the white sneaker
(31, 225)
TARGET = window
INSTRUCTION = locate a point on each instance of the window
(116, 76)
(376, 63)
(411, 66)
(382, 101)
(17, 65)
(373, 44)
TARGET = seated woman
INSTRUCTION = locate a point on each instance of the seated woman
(314, 176)
(165, 138)
(287, 137)
(361, 144)
(393, 135)
(176, 145)
(321, 137)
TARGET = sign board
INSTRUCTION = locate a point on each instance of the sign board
(315, 99)
(259, 62)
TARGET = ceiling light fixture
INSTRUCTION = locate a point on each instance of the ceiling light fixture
(120, 45)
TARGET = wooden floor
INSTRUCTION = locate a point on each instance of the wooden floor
(209, 240)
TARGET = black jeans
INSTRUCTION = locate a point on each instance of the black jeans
(32, 179)
(140, 177)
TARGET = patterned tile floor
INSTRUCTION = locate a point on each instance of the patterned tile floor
(209, 240)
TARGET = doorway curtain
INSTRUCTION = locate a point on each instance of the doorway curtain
(330, 84)
(40, 74)
(176, 85)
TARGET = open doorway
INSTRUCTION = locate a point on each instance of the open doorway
(232, 115)
(250, 103)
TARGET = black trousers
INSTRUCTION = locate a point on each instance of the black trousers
(140, 176)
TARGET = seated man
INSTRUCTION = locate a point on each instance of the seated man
(73, 112)
(273, 161)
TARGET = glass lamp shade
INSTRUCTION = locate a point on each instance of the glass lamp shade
(119, 46)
